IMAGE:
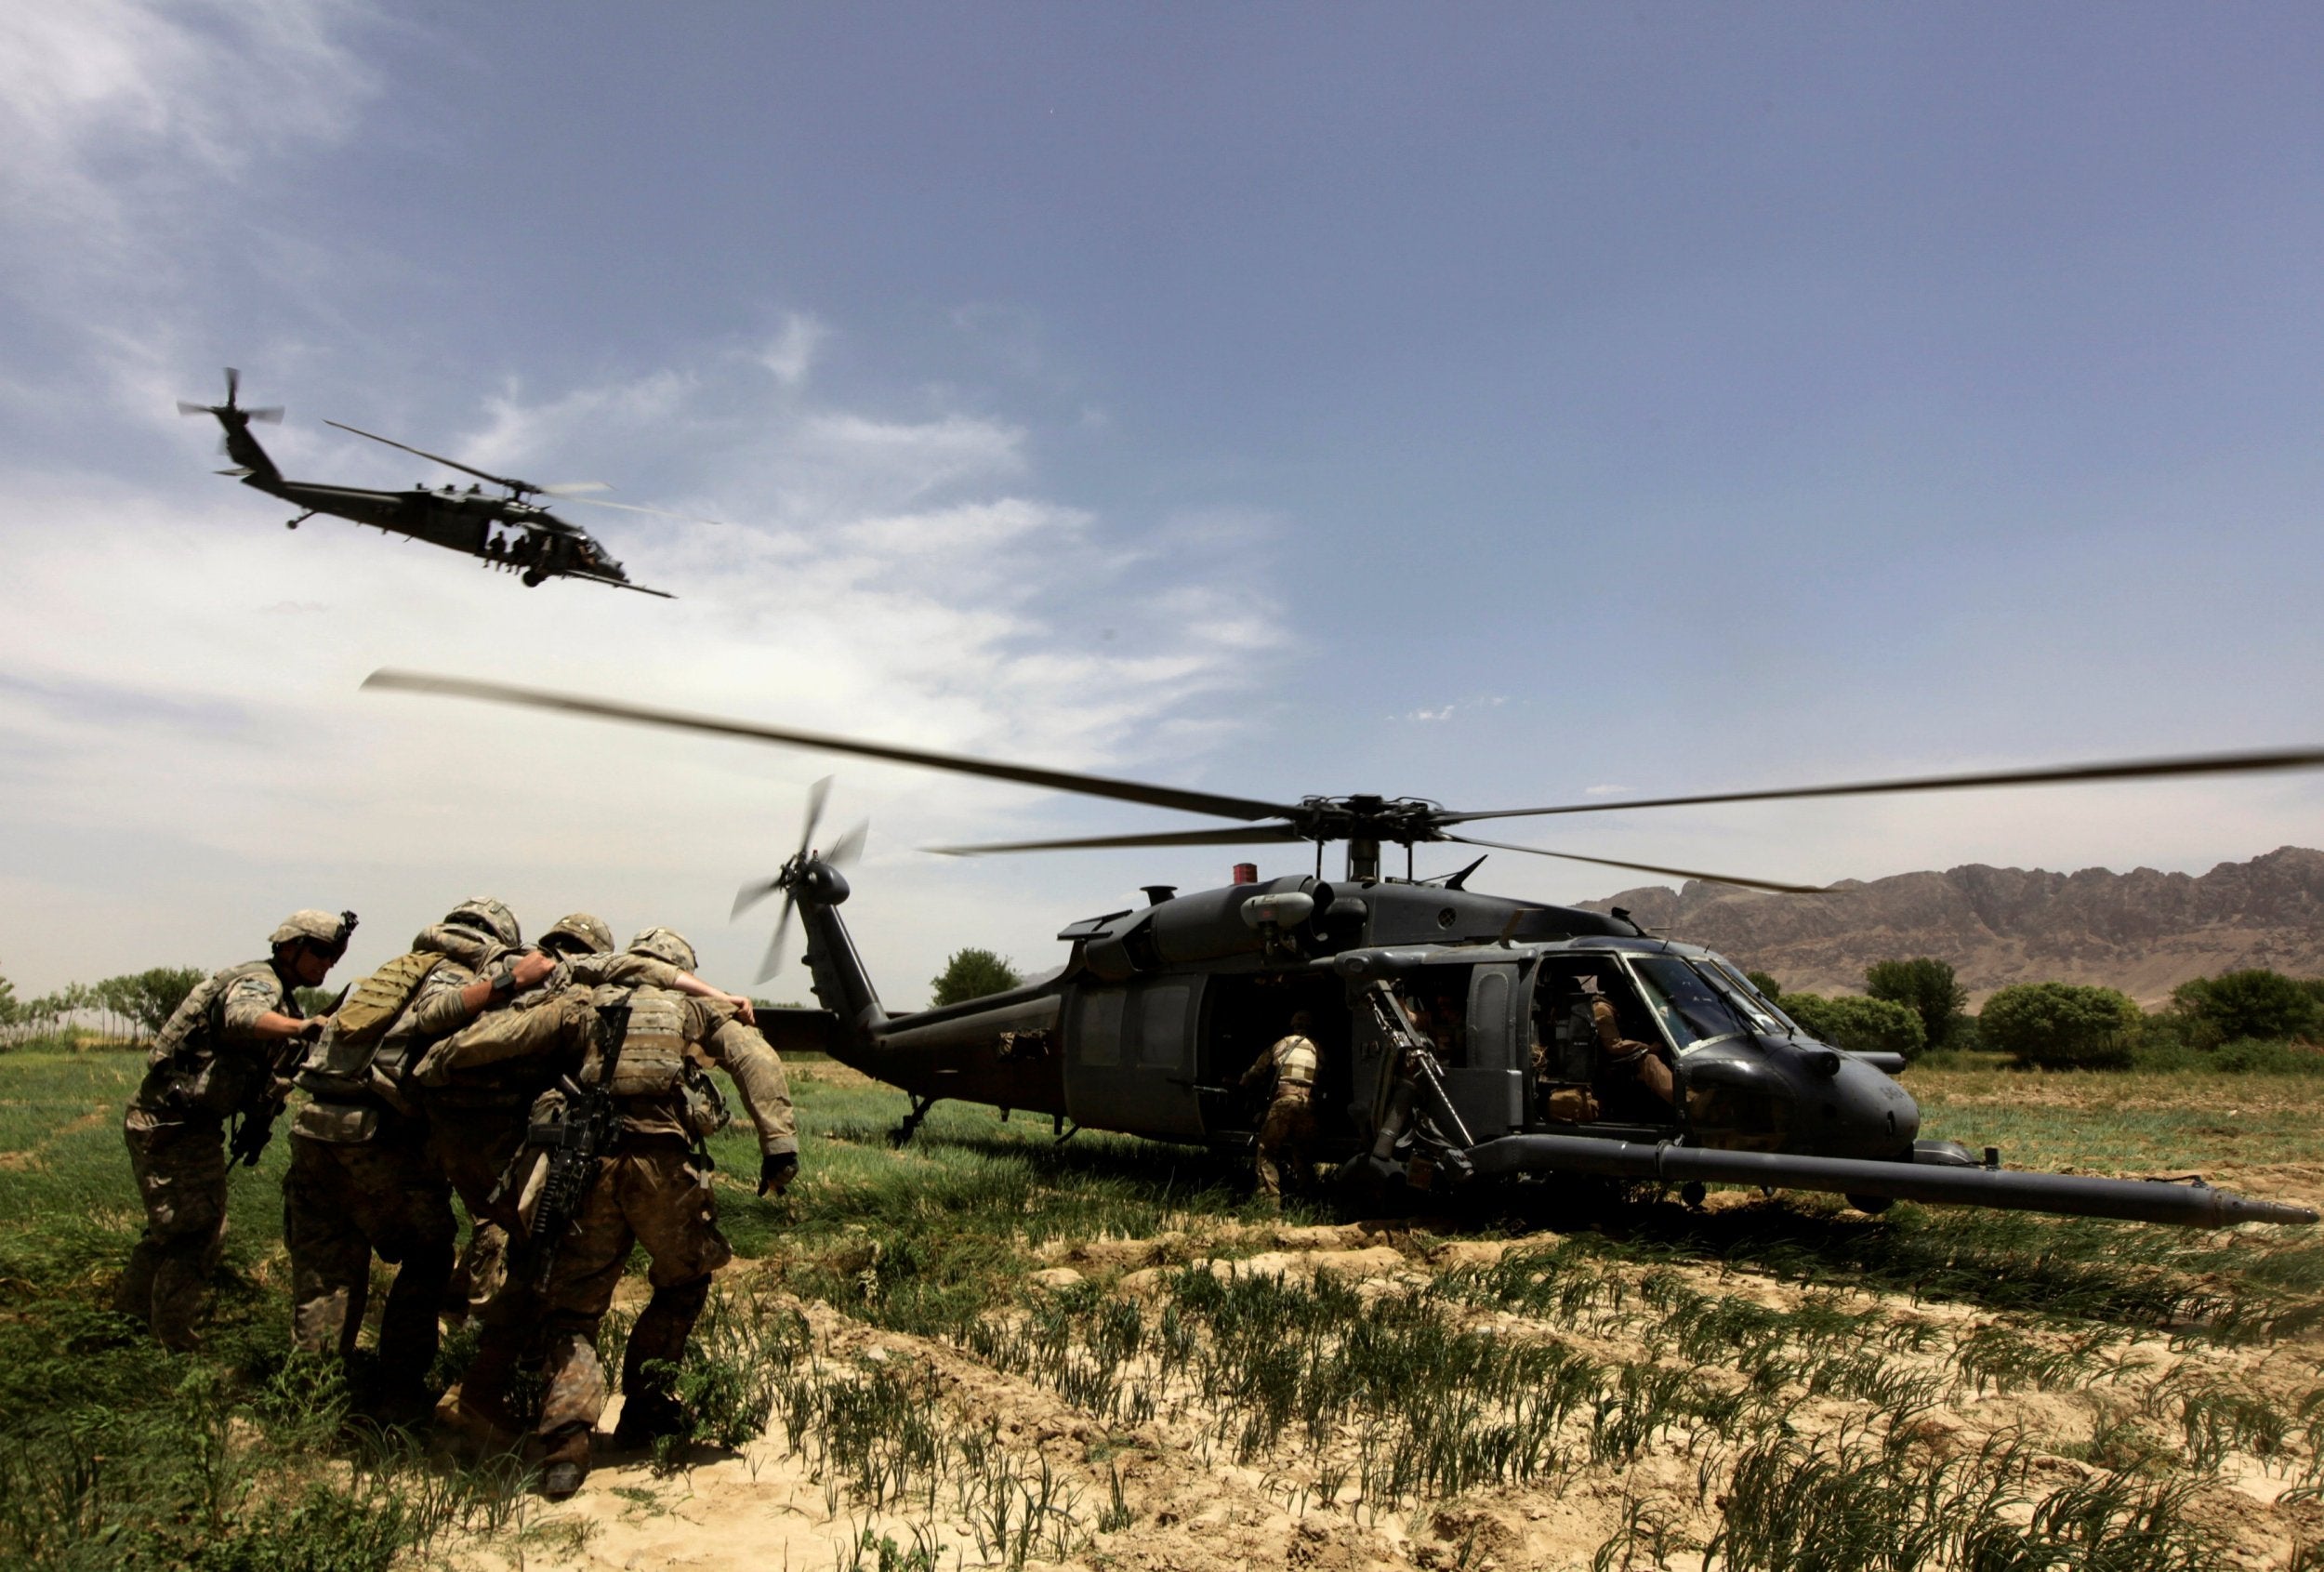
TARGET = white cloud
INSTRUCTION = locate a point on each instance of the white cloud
(790, 355)
(116, 114)
(1446, 711)
(184, 746)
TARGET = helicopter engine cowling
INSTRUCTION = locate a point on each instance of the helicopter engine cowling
(1207, 926)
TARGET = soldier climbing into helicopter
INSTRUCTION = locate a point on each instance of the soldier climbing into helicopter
(1287, 1137)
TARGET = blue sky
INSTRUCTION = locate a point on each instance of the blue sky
(1498, 404)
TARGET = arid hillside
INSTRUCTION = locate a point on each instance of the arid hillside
(2142, 931)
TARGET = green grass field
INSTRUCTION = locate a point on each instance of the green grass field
(1656, 1358)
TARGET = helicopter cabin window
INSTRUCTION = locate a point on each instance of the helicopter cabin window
(1099, 1029)
(1162, 1023)
(1689, 1009)
(1436, 1002)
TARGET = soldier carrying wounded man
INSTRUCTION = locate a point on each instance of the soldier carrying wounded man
(634, 1052)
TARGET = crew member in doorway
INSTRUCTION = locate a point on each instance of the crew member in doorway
(1288, 1134)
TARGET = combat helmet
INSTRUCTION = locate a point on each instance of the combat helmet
(487, 915)
(579, 933)
(324, 930)
(665, 943)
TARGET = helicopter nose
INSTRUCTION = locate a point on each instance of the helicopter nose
(1863, 1112)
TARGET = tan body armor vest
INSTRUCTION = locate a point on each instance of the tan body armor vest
(1295, 1067)
(653, 1059)
(185, 1071)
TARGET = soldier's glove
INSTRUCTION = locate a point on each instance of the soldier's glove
(776, 1171)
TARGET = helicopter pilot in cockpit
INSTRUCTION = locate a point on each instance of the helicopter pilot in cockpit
(1585, 1062)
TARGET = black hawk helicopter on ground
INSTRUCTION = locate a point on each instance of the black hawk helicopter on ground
(1447, 1017)
(510, 532)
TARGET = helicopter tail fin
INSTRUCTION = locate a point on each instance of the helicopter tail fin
(252, 464)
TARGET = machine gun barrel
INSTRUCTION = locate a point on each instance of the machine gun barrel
(2138, 1201)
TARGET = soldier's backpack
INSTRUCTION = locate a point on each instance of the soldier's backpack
(340, 1064)
(374, 1004)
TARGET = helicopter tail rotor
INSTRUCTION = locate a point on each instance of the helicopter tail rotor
(842, 851)
(231, 410)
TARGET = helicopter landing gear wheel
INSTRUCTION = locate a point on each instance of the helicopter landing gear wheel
(533, 578)
(1871, 1206)
(1691, 1194)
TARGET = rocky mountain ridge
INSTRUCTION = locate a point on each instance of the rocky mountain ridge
(2143, 931)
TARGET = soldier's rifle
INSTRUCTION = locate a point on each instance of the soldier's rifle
(586, 1126)
(254, 1121)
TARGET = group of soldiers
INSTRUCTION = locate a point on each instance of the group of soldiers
(462, 1068)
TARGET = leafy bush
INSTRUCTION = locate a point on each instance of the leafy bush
(1925, 985)
(1766, 983)
(2251, 1004)
(1861, 1025)
(973, 974)
(2060, 1026)
(2248, 1056)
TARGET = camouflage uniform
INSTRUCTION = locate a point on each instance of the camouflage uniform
(476, 1102)
(1288, 1134)
(1646, 1064)
(208, 1062)
(360, 1182)
(653, 1189)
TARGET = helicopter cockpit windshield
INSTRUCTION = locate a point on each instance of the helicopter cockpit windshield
(1689, 1008)
(1761, 1012)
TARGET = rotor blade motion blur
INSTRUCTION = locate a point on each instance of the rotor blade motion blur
(1023, 774)
(1252, 835)
(1646, 868)
(436, 457)
(2053, 775)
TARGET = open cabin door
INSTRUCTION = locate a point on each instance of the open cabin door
(1130, 1057)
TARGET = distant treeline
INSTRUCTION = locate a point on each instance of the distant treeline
(2247, 1020)
(132, 1007)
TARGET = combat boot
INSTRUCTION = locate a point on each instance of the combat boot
(564, 1461)
(657, 1343)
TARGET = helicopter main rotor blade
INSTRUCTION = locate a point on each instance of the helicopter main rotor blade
(571, 488)
(1023, 774)
(436, 457)
(2125, 769)
(1767, 884)
(635, 508)
(1253, 835)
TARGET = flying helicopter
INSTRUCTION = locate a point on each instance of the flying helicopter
(1448, 1017)
(510, 531)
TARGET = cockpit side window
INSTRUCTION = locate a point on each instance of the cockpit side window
(1690, 1009)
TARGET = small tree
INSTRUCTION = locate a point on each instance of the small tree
(156, 993)
(1860, 1025)
(1925, 985)
(2256, 1004)
(2060, 1026)
(973, 974)
(1766, 983)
